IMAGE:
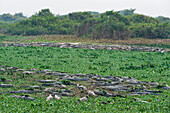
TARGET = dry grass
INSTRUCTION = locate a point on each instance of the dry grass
(162, 43)
(72, 38)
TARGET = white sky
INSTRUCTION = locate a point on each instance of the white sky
(29, 7)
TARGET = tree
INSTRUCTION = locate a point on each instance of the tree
(127, 12)
(110, 25)
(7, 17)
(139, 18)
(45, 13)
(163, 19)
(79, 16)
(19, 15)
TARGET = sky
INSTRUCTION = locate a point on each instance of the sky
(152, 8)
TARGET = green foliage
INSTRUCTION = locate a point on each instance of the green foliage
(155, 68)
(2, 26)
(8, 18)
(19, 15)
(149, 30)
(159, 103)
(45, 13)
(163, 19)
(127, 12)
(139, 18)
(42, 23)
(109, 25)
(149, 66)
(79, 16)
(94, 13)
(86, 27)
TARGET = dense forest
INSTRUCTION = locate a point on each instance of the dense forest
(8, 18)
(111, 24)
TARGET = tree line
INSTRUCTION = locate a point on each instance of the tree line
(111, 25)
